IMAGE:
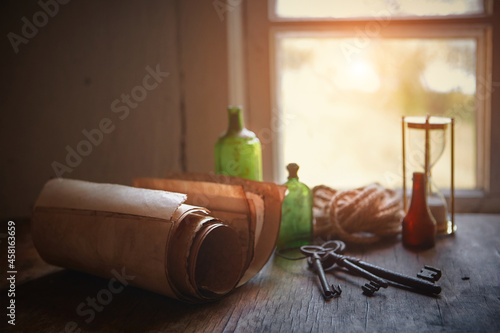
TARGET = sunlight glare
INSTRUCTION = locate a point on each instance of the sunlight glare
(358, 76)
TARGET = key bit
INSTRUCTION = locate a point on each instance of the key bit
(370, 287)
(337, 291)
(430, 273)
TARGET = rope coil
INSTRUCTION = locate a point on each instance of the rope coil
(362, 216)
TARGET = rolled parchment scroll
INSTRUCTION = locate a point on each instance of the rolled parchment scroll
(168, 246)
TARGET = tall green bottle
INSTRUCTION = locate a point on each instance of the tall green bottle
(238, 151)
(296, 214)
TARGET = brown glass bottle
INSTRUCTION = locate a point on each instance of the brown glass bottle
(419, 227)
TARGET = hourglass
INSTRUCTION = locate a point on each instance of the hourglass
(426, 144)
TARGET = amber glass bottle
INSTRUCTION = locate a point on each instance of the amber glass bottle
(419, 227)
(238, 150)
(296, 213)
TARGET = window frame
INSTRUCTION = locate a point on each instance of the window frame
(261, 81)
(487, 5)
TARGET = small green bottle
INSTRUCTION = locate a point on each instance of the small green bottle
(238, 151)
(296, 214)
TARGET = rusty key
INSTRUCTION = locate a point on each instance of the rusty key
(314, 261)
(325, 258)
(405, 280)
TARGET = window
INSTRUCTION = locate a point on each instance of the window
(345, 104)
(332, 81)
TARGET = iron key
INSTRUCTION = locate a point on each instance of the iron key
(405, 280)
(315, 263)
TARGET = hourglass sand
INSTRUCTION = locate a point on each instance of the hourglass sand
(426, 143)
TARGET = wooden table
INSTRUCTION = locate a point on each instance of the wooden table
(283, 297)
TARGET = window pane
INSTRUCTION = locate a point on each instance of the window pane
(342, 110)
(374, 8)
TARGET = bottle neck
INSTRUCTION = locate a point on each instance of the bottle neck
(235, 120)
(419, 192)
(292, 168)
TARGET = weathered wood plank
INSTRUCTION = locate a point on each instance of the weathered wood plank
(285, 296)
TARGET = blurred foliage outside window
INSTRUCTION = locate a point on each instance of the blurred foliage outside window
(343, 104)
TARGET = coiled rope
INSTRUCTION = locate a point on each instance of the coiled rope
(362, 216)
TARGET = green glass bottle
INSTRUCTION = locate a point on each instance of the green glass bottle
(238, 151)
(296, 214)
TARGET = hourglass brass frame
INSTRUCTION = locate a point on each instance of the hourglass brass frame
(428, 126)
